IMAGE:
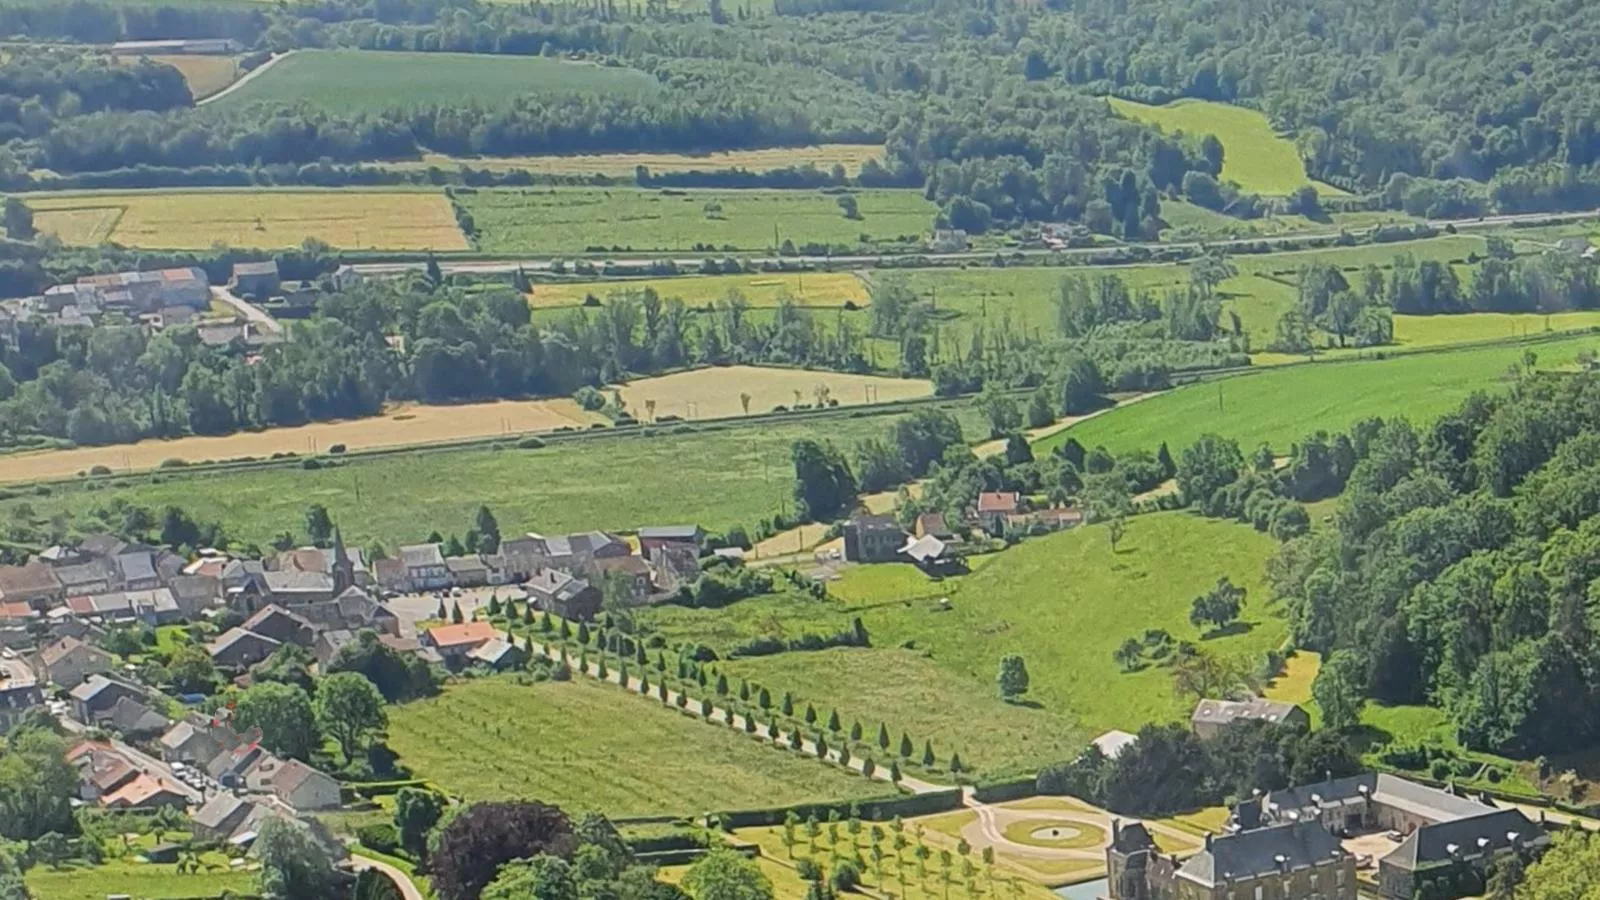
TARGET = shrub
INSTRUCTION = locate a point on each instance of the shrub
(807, 869)
(172, 463)
(530, 443)
(310, 464)
(336, 449)
(589, 398)
(846, 877)
(379, 836)
(100, 470)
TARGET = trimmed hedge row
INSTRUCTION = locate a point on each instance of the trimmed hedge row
(874, 810)
(1002, 791)
(671, 857)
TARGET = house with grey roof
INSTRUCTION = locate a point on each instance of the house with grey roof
(1474, 843)
(1297, 861)
(1211, 716)
(281, 625)
(98, 694)
(220, 817)
(196, 740)
(259, 280)
(525, 555)
(137, 569)
(238, 649)
(19, 690)
(561, 594)
(133, 719)
(497, 655)
(68, 662)
(652, 536)
(293, 587)
(424, 567)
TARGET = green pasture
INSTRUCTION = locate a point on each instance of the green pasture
(1064, 602)
(736, 474)
(583, 745)
(147, 881)
(1254, 155)
(572, 220)
(1280, 406)
(373, 81)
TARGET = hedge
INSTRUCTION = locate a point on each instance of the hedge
(367, 790)
(874, 810)
(679, 857)
(1001, 791)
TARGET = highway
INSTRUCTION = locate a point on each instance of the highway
(635, 259)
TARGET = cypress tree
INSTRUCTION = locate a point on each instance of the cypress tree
(868, 767)
(927, 753)
(788, 704)
(583, 633)
(955, 763)
(855, 731)
(722, 685)
(822, 746)
(833, 722)
(744, 690)
(905, 746)
(883, 736)
(811, 714)
(566, 630)
(894, 771)
(764, 699)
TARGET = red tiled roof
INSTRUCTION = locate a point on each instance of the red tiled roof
(460, 635)
(1002, 502)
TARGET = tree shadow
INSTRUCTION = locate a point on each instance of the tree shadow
(1366, 738)
(1026, 703)
(1229, 630)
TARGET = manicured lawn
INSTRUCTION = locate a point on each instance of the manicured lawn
(1283, 405)
(1064, 602)
(1254, 156)
(584, 745)
(1299, 672)
(147, 881)
(372, 81)
(716, 478)
(573, 220)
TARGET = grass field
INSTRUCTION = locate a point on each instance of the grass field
(1254, 156)
(1281, 406)
(205, 74)
(717, 478)
(1186, 221)
(827, 290)
(195, 220)
(624, 165)
(402, 425)
(714, 393)
(372, 81)
(600, 748)
(571, 220)
(146, 881)
(1064, 602)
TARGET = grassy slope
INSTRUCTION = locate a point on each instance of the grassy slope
(364, 80)
(568, 220)
(716, 478)
(583, 745)
(1254, 155)
(1064, 602)
(144, 880)
(1281, 406)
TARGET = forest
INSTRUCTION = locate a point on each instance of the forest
(1460, 568)
(1436, 108)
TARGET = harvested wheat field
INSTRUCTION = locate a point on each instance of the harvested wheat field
(195, 220)
(712, 393)
(205, 75)
(625, 165)
(400, 426)
(828, 290)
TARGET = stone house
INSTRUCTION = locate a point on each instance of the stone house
(1210, 717)
(258, 280)
(69, 662)
(872, 539)
(1298, 861)
(564, 595)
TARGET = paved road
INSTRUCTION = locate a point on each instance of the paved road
(248, 77)
(408, 888)
(248, 311)
(543, 263)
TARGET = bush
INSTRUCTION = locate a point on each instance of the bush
(100, 470)
(530, 443)
(589, 398)
(172, 463)
(380, 836)
(846, 876)
(336, 449)
(310, 464)
(807, 869)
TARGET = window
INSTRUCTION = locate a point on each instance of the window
(1339, 877)
(1258, 892)
(1313, 882)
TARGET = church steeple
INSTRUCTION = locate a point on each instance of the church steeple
(344, 571)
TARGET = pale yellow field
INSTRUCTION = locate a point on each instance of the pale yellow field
(712, 393)
(399, 427)
(89, 226)
(1299, 672)
(205, 74)
(192, 220)
(622, 165)
(819, 289)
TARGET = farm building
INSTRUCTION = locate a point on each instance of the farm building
(873, 539)
(148, 292)
(195, 46)
(256, 279)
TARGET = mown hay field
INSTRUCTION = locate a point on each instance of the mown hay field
(205, 74)
(717, 392)
(625, 165)
(372, 81)
(573, 220)
(602, 748)
(267, 220)
(403, 425)
(814, 289)
(1254, 155)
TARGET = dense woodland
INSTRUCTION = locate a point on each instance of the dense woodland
(1442, 108)
(1461, 568)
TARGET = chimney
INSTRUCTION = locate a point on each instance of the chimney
(1208, 842)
